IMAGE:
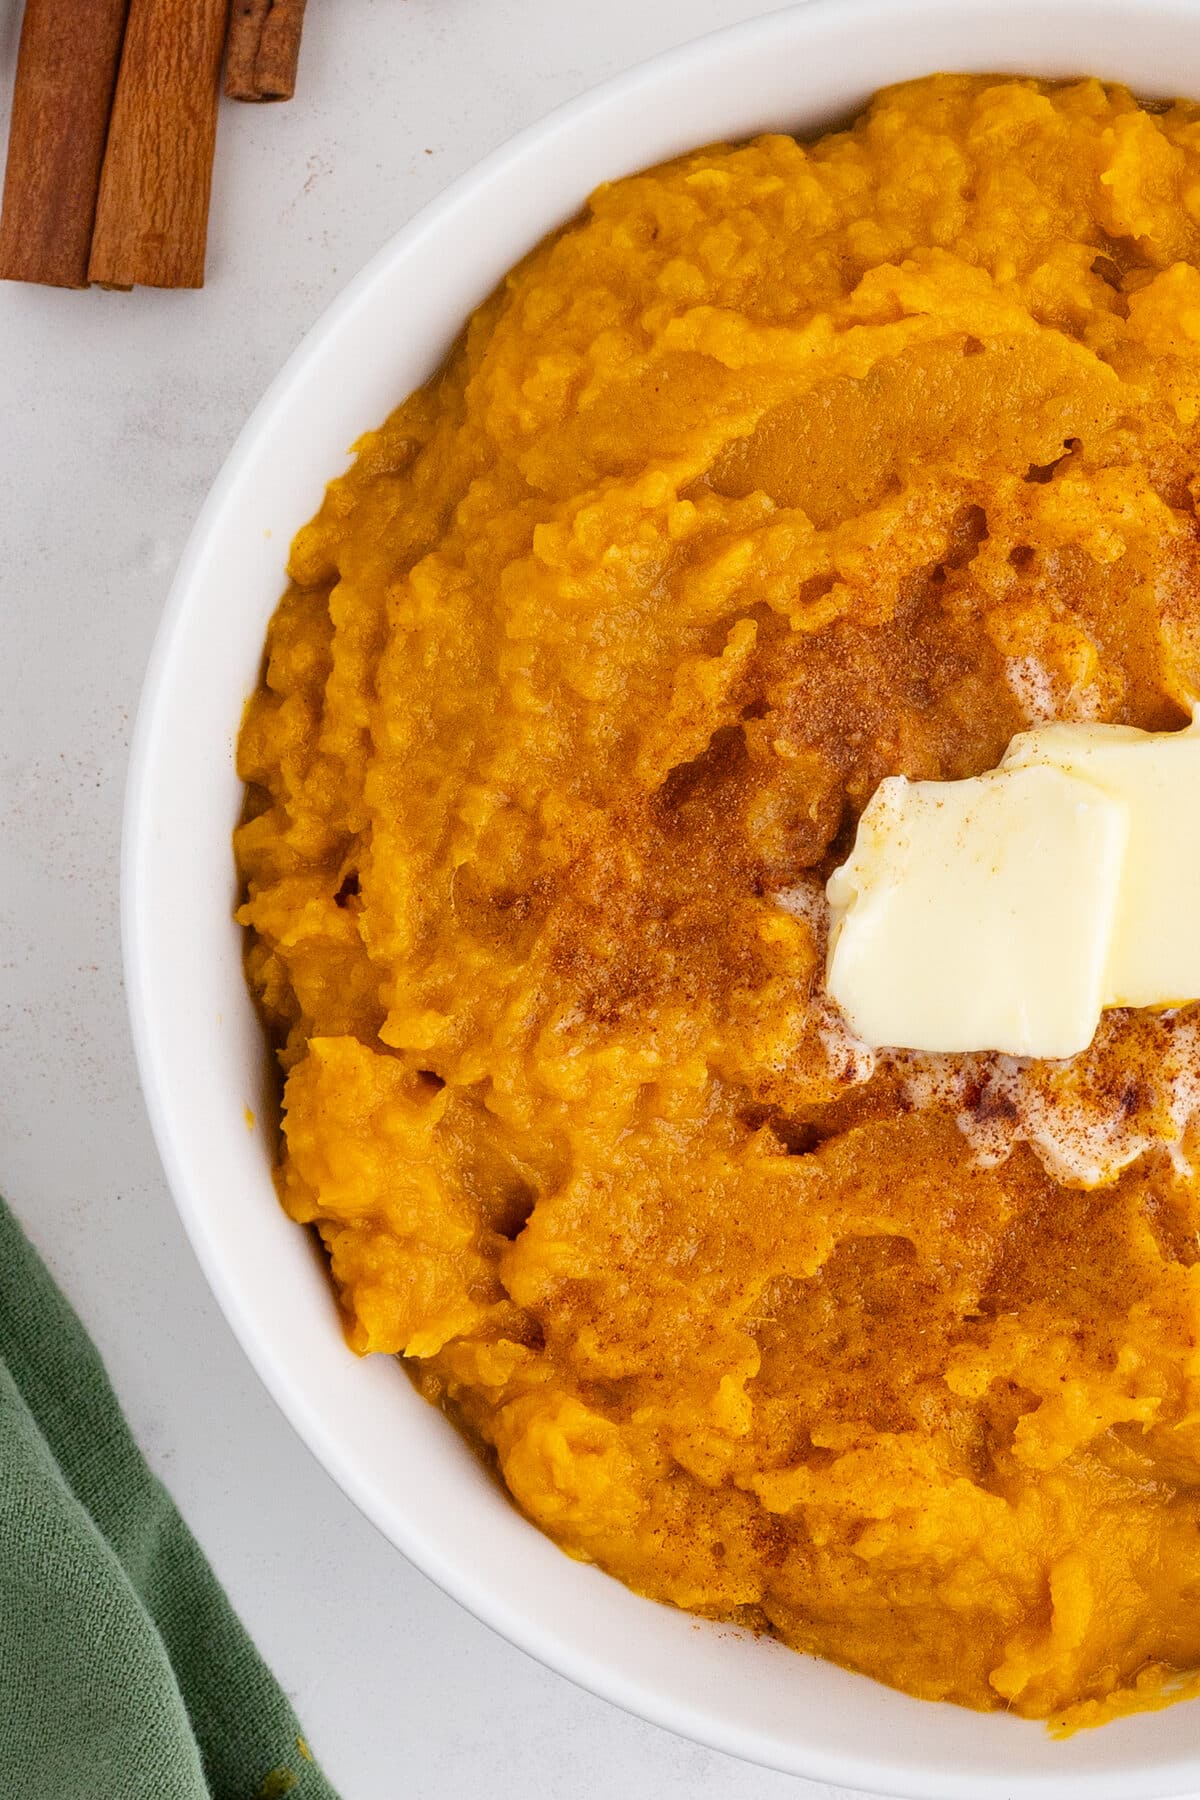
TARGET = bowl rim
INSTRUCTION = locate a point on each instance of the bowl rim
(867, 1771)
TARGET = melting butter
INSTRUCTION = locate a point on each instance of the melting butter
(977, 915)
(1065, 1111)
(1154, 956)
(1005, 912)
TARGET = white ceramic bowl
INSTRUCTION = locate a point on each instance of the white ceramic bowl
(197, 1038)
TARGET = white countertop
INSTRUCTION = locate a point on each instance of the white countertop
(117, 412)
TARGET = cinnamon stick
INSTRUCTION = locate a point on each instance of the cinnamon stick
(66, 72)
(152, 210)
(264, 49)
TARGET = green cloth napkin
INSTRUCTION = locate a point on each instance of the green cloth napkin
(124, 1672)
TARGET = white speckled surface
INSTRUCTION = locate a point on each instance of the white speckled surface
(118, 410)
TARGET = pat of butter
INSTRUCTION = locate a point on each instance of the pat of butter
(1154, 957)
(978, 914)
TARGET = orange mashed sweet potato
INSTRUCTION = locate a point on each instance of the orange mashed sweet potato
(781, 469)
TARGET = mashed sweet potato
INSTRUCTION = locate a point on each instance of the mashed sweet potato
(782, 469)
